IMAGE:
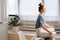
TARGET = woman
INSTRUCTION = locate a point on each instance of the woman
(40, 21)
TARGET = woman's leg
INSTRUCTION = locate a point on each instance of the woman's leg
(53, 36)
(38, 32)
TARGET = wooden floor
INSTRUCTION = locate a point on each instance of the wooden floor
(15, 37)
(28, 35)
(57, 38)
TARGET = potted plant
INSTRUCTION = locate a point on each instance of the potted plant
(13, 23)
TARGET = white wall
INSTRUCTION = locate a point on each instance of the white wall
(3, 31)
(2, 10)
(3, 26)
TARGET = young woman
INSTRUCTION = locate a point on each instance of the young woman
(40, 23)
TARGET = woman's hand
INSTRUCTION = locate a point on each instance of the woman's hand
(52, 26)
(50, 32)
(44, 27)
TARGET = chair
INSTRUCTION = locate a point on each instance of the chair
(21, 36)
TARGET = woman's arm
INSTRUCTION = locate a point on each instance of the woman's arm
(43, 26)
(48, 26)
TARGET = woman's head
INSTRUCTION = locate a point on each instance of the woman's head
(42, 8)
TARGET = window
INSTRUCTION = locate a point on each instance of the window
(12, 7)
(52, 7)
(29, 7)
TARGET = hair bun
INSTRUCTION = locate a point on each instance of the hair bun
(40, 4)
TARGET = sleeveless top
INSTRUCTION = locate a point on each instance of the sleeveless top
(39, 21)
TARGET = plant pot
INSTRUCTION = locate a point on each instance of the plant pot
(15, 29)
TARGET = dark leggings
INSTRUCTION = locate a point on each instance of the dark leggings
(47, 38)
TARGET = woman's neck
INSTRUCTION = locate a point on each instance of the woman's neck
(41, 13)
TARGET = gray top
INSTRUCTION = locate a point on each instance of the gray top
(39, 21)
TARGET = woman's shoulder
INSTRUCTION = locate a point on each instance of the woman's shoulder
(40, 16)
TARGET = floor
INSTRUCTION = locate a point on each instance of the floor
(31, 33)
(57, 36)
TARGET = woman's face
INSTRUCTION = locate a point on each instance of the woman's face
(43, 10)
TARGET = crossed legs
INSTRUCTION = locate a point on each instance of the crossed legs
(45, 34)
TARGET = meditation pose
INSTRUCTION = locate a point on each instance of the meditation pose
(40, 23)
